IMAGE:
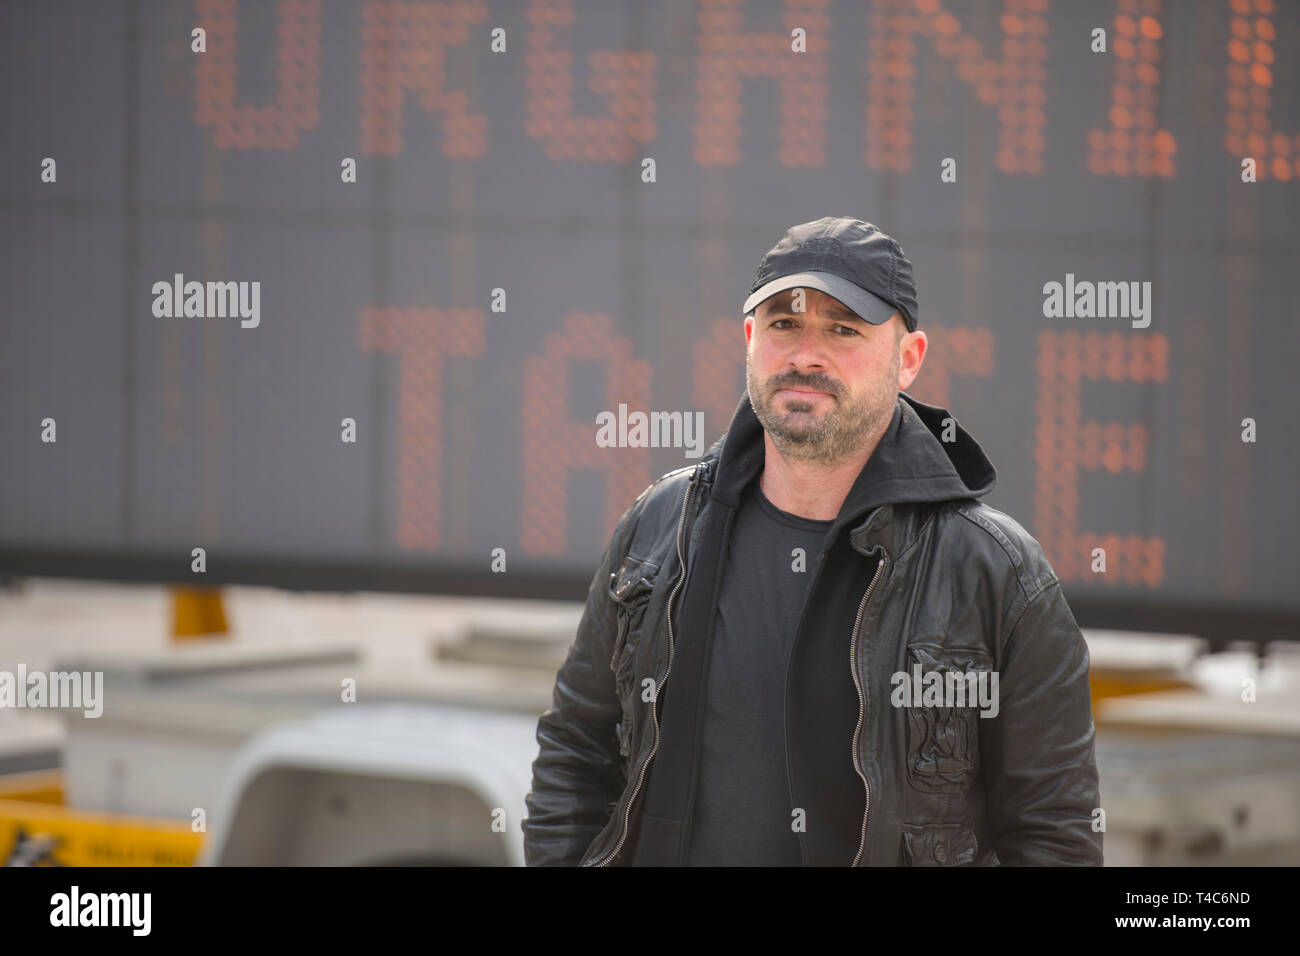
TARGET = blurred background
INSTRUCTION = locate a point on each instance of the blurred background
(327, 560)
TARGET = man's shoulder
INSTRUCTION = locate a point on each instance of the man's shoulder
(1010, 544)
(655, 510)
(669, 485)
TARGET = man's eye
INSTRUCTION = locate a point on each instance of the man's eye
(777, 323)
(847, 328)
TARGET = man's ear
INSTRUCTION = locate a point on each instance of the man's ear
(749, 328)
(911, 354)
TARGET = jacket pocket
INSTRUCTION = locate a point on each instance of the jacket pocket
(630, 587)
(943, 741)
(938, 844)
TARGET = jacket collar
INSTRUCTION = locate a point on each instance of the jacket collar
(912, 463)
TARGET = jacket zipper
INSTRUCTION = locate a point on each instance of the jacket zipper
(654, 719)
(857, 731)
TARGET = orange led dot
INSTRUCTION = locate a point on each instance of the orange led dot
(946, 24)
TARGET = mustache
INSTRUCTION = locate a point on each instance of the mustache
(799, 380)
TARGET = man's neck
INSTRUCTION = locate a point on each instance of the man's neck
(811, 489)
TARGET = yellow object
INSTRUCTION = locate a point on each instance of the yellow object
(1118, 683)
(37, 830)
(197, 612)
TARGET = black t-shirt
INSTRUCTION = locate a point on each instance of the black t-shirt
(743, 814)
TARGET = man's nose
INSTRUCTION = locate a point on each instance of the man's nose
(808, 351)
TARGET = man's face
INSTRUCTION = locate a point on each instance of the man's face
(822, 380)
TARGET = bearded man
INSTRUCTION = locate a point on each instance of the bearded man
(817, 646)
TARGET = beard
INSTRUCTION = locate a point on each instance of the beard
(836, 433)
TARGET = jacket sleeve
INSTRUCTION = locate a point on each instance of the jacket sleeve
(578, 774)
(1042, 772)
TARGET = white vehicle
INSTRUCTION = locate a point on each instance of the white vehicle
(399, 784)
(257, 747)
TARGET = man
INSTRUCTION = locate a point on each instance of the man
(816, 647)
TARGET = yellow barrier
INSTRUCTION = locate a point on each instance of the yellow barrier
(197, 613)
(1105, 684)
(37, 830)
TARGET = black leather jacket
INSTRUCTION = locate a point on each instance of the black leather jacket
(933, 579)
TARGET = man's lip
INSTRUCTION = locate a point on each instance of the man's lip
(808, 391)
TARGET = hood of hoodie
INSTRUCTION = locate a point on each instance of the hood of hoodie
(912, 462)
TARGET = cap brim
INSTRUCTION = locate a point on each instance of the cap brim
(870, 308)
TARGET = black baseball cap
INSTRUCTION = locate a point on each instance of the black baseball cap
(849, 260)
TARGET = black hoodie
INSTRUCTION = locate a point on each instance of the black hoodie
(911, 463)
